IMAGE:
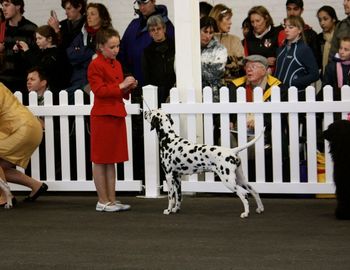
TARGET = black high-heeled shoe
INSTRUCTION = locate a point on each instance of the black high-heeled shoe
(40, 191)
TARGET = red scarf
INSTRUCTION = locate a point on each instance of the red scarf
(91, 31)
(249, 93)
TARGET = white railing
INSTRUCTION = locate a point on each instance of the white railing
(66, 138)
(293, 108)
(187, 116)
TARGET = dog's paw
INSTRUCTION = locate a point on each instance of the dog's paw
(259, 210)
(244, 215)
(175, 210)
(166, 212)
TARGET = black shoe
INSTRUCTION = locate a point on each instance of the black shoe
(40, 191)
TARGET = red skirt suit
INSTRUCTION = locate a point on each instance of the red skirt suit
(108, 128)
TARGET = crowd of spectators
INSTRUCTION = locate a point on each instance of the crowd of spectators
(69, 44)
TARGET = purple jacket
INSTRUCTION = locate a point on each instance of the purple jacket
(136, 38)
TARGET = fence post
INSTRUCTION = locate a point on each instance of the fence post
(151, 148)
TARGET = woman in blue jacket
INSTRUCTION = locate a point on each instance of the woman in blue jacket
(296, 64)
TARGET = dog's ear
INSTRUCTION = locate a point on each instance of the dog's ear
(154, 123)
(170, 119)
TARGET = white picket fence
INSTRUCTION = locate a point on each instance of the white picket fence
(78, 111)
(190, 116)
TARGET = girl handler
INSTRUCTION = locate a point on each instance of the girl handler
(108, 128)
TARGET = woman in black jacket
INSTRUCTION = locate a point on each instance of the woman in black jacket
(158, 59)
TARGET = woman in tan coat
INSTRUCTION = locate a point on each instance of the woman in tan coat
(235, 51)
(20, 135)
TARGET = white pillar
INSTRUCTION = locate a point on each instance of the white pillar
(188, 56)
(187, 43)
(151, 148)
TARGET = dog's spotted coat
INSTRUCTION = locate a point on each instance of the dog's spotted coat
(180, 157)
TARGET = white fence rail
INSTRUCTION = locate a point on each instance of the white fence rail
(186, 117)
(71, 142)
(275, 108)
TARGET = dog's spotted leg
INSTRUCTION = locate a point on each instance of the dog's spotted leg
(170, 183)
(230, 183)
(242, 194)
(178, 196)
(242, 181)
(260, 206)
(7, 192)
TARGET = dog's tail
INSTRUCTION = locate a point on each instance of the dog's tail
(250, 143)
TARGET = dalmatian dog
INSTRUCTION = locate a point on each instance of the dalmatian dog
(180, 157)
(7, 193)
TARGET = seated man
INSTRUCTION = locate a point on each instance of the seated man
(37, 82)
(255, 67)
(257, 75)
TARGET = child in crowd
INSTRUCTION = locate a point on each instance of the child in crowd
(49, 58)
(337, 71)
(296, 64)
(108, 128)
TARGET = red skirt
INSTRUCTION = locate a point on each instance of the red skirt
(108, 139)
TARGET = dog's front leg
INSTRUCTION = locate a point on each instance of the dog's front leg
(170, 183)
(178, 195)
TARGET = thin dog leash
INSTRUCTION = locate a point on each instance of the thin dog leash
(145, 104)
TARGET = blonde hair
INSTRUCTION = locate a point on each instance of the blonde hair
(219, 11)
(298, 22)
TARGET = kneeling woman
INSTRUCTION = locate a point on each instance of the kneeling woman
(20, 135)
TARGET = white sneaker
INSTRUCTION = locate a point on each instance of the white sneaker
(108, 207)
(123, 207)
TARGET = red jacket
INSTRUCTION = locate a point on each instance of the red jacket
(104, 76)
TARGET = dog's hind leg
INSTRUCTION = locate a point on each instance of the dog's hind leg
(171, 193)
(230, 183)
(242, 181)
(178, 194)
(242, 194)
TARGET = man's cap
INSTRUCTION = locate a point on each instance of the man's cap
(298, 3)
(142, 1)
(256, 58)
